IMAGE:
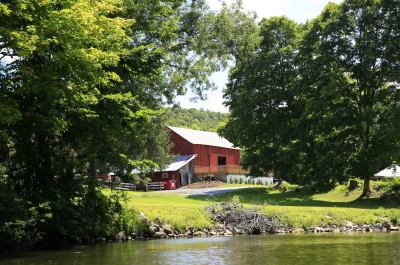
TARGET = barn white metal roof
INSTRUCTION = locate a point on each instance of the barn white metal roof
(179, 162)
(203, 137)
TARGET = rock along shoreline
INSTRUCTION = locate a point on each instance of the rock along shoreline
(233, 219)
(166, 231)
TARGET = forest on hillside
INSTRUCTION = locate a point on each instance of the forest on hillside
(197, 119)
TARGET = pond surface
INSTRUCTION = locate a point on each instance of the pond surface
(307, 249)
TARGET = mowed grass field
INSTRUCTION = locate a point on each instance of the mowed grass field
(299, 209)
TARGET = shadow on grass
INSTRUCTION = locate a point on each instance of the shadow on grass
(261, 196)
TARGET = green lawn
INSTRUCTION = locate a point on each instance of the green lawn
(298, 209)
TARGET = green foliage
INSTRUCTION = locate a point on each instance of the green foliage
(349, 88)
(18, 220)
(353, 184)
(389, 190)
(129, 222)
(266, 132)
(203, 120)
(294, 208)
(82, 89)
(235, 199)
(286, 186)
(324, 96)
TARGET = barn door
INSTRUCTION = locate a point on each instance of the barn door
(185, 177)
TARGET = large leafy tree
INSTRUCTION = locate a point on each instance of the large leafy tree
(334, 112)
(350, 77)
(82, 84)
(261, 98)
(56, 61)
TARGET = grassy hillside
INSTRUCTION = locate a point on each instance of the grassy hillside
(293, 208)
(195, 119)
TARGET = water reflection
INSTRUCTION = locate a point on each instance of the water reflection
(332, 249)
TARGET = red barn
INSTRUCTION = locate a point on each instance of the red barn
(215, 154)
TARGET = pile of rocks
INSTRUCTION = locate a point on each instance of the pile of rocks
(234, 219)
(167, 231)
(350, 227)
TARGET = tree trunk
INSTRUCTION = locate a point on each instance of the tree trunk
(280, 180)
(367, 189)
(92, 176)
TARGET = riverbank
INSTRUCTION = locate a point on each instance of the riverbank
(297, 210)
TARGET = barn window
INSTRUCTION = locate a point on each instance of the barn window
(164, 175)
(221, 160)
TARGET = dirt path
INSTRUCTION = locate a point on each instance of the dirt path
(206, 191)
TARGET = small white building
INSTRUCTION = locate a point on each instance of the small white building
(390, 172)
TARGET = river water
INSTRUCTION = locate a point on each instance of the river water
(297, 249)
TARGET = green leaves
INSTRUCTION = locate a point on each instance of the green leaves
(351, 40)
(194, 119)
(320, 107)
(260, 98)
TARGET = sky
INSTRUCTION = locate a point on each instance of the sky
(298, 10)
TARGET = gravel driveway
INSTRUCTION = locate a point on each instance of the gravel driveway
(205, 191)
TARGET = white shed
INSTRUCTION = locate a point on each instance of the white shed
(390, 172)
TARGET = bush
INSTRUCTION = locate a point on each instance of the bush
(129, 221)
(235, 199)
(64, 221)
(286, 186)
(391, 191)
(353, 184)
(92, 216)
(18, 221)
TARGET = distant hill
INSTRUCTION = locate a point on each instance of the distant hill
(195, 119)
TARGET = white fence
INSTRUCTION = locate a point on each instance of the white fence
(242, 179)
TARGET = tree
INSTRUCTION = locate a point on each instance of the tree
(194, 119)
(334, 113)
(261, 98)
(350, 78)
(82, 85)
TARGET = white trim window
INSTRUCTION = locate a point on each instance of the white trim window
(164, 175)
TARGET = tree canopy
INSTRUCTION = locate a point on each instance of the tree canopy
(82, 89)
(325, 96)
(203, 120)
(263, 83)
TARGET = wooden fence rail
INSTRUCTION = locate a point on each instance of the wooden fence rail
(130, 186)
(118, 185)
(228, 169)
(155, 186)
